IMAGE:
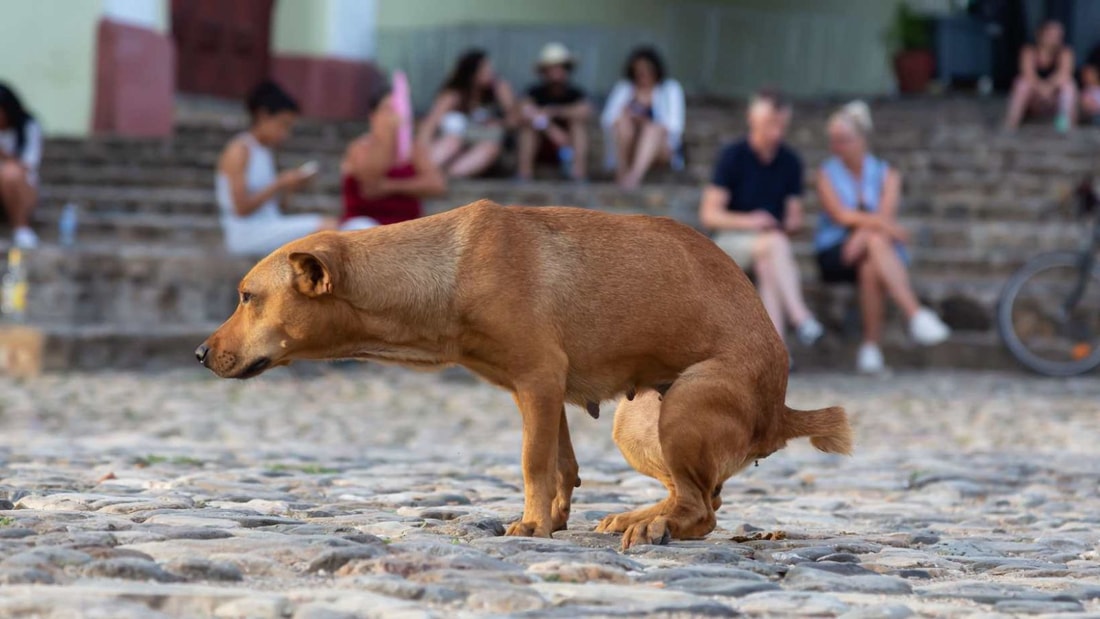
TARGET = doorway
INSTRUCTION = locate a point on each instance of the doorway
(222, 48)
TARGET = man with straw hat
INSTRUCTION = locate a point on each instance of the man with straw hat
(554, 119)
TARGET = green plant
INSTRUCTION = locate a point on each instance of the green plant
(909, 30)
(6, 521)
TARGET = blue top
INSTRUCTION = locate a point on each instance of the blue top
(851, 192)
(754, 184)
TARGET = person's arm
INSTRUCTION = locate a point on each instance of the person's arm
(616, 103)
(1066, 68)
(1027, 63)
(507, 100)
(367, 159)
(890, 197)
(713, 213)
(581, 110)
(883, 221)
(447, 101)
(32, 147)
(674, 95)
(794, 215)
(233, 165)
(427, 183)
(792, 211)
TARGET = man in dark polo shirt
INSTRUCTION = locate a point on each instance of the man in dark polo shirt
(754, 200)
(554, 117)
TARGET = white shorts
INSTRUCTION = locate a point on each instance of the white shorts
(259, 238)
(738, 244)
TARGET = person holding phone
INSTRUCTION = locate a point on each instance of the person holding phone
(249, 187)
(753, 202)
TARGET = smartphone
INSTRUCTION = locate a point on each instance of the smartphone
(310, 168)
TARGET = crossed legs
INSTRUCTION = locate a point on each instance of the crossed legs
(881, 273)
(778, 281)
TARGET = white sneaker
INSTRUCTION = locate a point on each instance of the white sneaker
(810, 331)
(25, 238)
(869, 360)
(927, 329)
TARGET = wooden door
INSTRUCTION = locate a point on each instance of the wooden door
(222, 47)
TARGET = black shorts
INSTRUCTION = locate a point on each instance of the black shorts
(833, 269)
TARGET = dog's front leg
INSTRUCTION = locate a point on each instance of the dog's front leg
(541, 408)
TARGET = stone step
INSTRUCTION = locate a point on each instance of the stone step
(973, 157)
(99, 225)
(146, 285)
(954, 201)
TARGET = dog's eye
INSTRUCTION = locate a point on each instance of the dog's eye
(246, 297)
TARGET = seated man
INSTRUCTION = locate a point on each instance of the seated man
(1090, 85)
(754, 201)
(554, 117)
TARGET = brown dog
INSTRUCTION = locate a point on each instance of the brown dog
(557, 305)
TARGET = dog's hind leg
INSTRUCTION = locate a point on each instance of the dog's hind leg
(703, 440)
(635, 432)
(567, 479)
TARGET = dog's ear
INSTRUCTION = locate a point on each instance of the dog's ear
(315, 272)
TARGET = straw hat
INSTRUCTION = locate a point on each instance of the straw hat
(555, 54)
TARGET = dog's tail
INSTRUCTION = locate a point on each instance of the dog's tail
(827, 428)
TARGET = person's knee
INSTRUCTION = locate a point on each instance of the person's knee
(11, 173)
(1021, 85)
(877, 243)
(624, 128)
(656, 130)
(772, 244)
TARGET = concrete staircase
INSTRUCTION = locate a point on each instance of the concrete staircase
(147, 279)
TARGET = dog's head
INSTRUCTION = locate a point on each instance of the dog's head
(290, 307)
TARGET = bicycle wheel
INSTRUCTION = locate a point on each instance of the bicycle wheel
(1035, 325)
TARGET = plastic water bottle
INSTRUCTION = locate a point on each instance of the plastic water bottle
(13, 289)
(66, 225)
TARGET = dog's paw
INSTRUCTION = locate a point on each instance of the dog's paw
(615, 523)
(653, 531)
(526, 529)
(560, 519)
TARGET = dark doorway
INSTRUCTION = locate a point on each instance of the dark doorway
(222, 48)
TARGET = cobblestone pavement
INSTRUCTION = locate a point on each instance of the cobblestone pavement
(366, 492)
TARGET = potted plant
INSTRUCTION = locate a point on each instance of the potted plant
(909, 39)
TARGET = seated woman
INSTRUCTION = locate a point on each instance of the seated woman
(249, 187)
(466, 126)
(858, 238)
(380, 181)
(643, 119)
(20, 154)
(1045, 83)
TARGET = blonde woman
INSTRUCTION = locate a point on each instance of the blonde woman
(858, 237)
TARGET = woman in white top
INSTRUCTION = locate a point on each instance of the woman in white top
(643, 119)
(249, 187)
(20, 154)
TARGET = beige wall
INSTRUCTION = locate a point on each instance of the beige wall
(47, 53)
(425, 13)
(715, 47)
(300, 27)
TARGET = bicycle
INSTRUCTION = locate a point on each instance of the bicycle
(1048, 314)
